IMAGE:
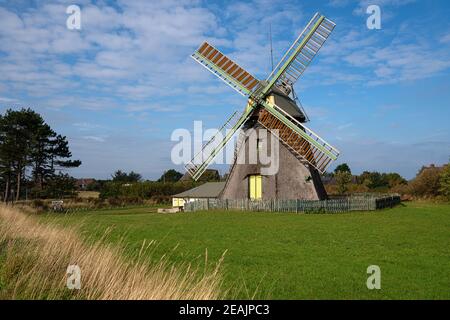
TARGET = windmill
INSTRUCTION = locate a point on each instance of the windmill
(273, 105)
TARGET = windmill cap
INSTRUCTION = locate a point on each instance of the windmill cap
(287, 104)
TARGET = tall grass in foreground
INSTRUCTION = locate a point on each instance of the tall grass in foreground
(34, 258)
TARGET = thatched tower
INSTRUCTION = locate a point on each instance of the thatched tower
(291, 178)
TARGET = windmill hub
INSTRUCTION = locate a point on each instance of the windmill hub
(272, 105)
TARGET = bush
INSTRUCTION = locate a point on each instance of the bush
(427, 183)
(95, 201)
(124, 201)
(161, 199)
(343, 179)
(40, 205)
(402, 189)
(159, 191)
(444, 182)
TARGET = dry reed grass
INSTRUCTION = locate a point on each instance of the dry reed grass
(34, 258)
(88, 194)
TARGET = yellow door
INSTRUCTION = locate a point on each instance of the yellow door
(255, 187)
(251, 187)
(258, 187)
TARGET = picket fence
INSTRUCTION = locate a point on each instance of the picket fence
(352, 203)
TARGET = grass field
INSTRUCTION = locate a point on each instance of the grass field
(296, 256)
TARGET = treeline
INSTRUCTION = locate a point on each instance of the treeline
(32, 157)
(157, 192)
(130, 187)
(430, 182)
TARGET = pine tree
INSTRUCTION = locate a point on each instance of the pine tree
(28, 144)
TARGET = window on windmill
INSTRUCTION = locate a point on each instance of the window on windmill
(255, 187)
(308, 178)
(258, 144)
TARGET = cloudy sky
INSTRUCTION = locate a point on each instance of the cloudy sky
(118, 87)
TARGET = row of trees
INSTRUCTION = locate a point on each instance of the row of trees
(123, 185)
(430, 182)
(153, 190)
(342, 181)
(124, 178)
(32, 154)
(127, 186)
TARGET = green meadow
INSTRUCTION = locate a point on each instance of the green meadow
(292, 256)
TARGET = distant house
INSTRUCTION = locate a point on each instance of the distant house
(208, 190)
(431, 167)
(83, 183)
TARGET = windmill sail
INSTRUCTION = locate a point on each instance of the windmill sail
(209, 151)
(300, 54)
(302, 141)
(225, 68)
(297, 137)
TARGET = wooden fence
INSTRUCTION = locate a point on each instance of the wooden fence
(351, 203)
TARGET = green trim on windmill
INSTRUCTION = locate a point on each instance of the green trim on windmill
(222, 73)
(216, 150)
(292, 57)
(271, 108)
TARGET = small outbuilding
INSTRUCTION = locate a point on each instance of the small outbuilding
(208, 190)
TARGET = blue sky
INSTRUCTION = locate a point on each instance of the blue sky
(118, 87)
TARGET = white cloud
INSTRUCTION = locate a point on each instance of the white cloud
(344, 126)
(94, 138)
(6, 99)
(370, 58)
(339, 3)
(384, 4)
(141, 43)
(86, 126)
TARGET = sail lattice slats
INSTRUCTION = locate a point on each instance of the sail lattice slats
(301, 53)
(226, 69)
(298, 138)
(200, 162)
